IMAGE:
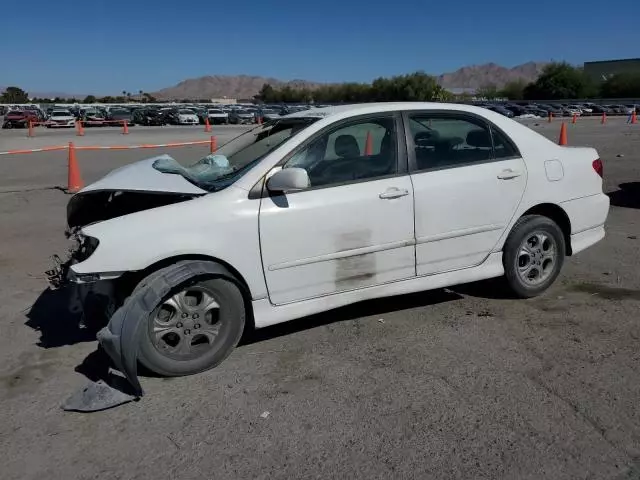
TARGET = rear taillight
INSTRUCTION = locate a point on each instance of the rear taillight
(597, 166)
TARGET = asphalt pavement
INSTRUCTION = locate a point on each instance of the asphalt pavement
(458, 383)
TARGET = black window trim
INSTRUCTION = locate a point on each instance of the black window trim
(460, 115)
(260, 190)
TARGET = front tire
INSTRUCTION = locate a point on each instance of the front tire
(194, 328)
(534, 254)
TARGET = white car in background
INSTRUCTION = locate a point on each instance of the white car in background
(320, 209)
(187, 117)
(575, 110)
(217, 115)
(60, 119)
(586, 108)
(268, 114)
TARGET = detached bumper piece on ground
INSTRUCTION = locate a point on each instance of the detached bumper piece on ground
(120, 338)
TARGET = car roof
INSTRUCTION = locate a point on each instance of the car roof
(346, 111)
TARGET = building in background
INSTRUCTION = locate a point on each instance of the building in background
(224, 100)
(600, 71)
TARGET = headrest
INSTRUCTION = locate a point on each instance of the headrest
(346, 146)
(479, 139)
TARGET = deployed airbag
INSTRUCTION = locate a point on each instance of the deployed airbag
(205, 171)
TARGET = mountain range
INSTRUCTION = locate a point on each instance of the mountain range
(244, 86)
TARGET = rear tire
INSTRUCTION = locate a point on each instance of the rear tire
(190, 339)
(534, 254)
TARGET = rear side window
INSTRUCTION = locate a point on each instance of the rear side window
(502, 146)
(449, 142)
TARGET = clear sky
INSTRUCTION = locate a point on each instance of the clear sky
(106, 46)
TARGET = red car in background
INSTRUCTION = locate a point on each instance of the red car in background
(19, 118)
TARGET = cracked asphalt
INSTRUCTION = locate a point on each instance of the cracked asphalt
(449, 384)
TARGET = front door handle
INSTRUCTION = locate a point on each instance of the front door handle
(394, 193)
(509, 174)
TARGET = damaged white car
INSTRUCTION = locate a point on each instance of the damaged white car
(316, 210)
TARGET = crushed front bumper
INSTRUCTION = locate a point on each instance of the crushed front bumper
(90, 296)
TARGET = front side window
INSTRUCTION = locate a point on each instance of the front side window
(259, 141)
(233, 159)
(449, 142)
(359, 150)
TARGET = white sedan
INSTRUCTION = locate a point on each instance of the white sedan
(320, 209)
(187, 117)
(61, 118)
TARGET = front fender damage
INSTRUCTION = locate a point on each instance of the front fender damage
(121, 337)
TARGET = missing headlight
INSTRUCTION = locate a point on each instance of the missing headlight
(82, 247)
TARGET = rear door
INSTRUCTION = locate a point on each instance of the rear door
(468, 180)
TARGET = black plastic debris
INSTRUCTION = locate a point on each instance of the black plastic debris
(96, 396)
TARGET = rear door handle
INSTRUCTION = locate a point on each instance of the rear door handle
(509, 174)
(394, 193)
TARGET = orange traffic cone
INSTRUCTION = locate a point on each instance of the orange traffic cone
(563, 135)
(604, 118)
(30, 131)
(368, 146)
(634, 117)
(259, 120)
(574, 119)
(79, 128)
(207, 125)
(125, 128)
(213, 145)
(74, 181)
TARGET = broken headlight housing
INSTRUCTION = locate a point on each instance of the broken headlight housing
(83, 246)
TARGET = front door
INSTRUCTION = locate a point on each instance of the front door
(353, 228)
(468, 181)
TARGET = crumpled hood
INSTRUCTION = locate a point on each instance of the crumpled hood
(141, 176)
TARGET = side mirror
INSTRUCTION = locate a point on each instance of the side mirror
(289, 180)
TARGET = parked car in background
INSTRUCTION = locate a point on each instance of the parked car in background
(501, 110)
(187, 116)
(536, 110)
(619, 109)
(574, 110)
(268, 114)
(549, 109)
(171, 116)
(118, 116)
(149, 117)
(600, 109)
(517, 110)
(19, 119)
(240, 117)
(35, 110)
(586, 108)
(61, 119)
(92, 118)
(217, 116)
(614, 109)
